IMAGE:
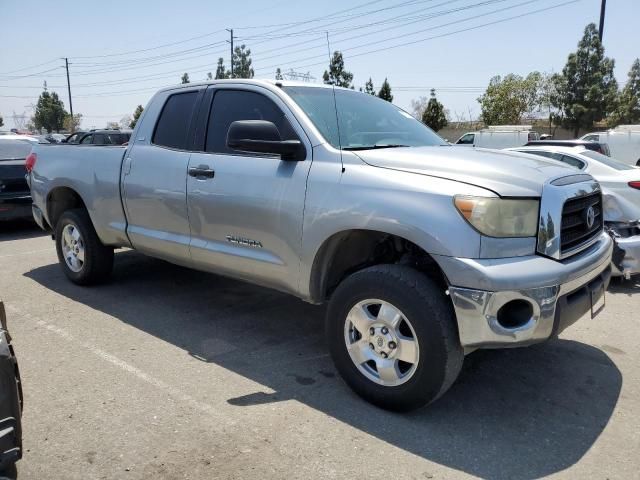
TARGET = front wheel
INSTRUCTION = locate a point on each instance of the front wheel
(83, 257)
(393, 337)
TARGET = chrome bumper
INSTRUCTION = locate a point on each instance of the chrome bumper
(630, 264)
(558, 293)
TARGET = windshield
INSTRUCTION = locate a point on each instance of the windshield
(365, 121)
(608, 161)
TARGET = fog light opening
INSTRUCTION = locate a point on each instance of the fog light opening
(514, 314)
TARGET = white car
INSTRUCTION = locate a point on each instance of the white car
(620, 184)
(15, 136)
(623, 142)
(498, 136)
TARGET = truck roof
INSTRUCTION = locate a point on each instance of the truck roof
(251, 81)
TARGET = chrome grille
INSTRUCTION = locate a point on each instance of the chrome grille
(582, 221)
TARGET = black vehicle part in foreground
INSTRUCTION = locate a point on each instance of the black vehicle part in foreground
(10, 400)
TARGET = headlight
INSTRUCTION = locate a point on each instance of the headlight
(498, 217)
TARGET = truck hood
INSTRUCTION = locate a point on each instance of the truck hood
(508, 174)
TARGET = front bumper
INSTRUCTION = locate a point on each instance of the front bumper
(630, 263)
(556, 294)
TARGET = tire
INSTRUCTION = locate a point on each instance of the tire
(426, 315)
(97, 259)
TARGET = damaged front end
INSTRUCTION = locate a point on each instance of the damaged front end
(626, 250)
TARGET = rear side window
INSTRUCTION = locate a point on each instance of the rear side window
(232, 105)
(173, 125)
(98, 139)
(574, 162)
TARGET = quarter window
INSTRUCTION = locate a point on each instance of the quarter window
(233, 105)
(173, 125)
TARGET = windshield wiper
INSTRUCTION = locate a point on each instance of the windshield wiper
(375, 147)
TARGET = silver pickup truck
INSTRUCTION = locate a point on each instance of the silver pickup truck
(424, 252)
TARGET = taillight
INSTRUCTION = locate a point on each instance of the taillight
(635, 184)
(30, 162)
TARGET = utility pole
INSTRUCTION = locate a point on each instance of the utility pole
(66, 64)
(230, 30)
(603, 6)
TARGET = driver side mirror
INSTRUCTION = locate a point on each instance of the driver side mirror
(260, 136)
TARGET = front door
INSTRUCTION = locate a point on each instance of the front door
(245, 210)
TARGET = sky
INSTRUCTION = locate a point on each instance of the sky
(121, 52)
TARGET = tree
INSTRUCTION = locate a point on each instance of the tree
(549, 91)
(71, 124)
(337, 75)
(242, 62)
(589, 89)
(628, 108)
(508, 99)
(221, 71)
(209, 76)
(434, 115)
(125, 121)
(385, 91)
(1, 121)
(136, 115)
(113, 125)
(368, 87)
(279, 74)
(418, 106)
(185, 78)
(50, 113)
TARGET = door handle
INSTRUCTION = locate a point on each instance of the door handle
(203, 171)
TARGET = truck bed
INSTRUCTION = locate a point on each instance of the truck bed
(91, 170)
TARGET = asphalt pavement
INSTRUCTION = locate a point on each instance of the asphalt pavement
(169, 373)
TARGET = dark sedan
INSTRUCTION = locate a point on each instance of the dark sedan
(15, 197)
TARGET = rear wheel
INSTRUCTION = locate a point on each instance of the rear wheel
(83, 257)
(393, 337)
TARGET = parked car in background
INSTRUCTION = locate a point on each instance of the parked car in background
(105, 137)
(15, 198)
(423, 251)
(55, 137)
(74, 137)
(599, 147)
(17, 136)
(623, 141)
(620, 184)
(11, 402)
(499, 136)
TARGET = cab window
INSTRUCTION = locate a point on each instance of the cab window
(173, 125)
(466, 139)
(232, 105)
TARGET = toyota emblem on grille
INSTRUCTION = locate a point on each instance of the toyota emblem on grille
(590, 215)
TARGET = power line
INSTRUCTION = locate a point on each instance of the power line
(29, 68)
(433, 28)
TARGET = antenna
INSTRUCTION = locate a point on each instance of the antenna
(335, 103)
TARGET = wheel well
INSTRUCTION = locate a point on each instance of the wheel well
(347, 252)
(59, 201)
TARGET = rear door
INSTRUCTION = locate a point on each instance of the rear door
(246, 213)
(154, 178)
